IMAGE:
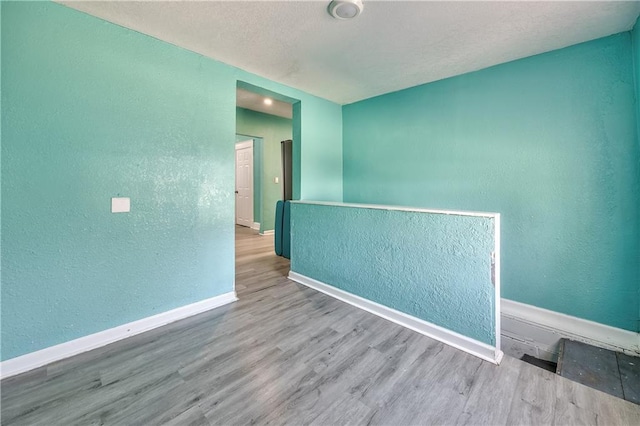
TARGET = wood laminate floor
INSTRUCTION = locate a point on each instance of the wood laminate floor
(286, 354)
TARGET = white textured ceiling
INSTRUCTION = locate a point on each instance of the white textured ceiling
(255, 102)
(391, 46)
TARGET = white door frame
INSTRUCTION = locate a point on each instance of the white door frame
(248, 144)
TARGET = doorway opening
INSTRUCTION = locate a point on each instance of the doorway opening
(264, 120)
(264, 131)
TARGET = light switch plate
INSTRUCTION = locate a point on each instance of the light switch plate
(120, 205)
(276, 179)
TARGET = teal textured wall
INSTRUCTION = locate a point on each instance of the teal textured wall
(273, 130)
(321, 176)
(549, 142)
(436, 267)
(635, 45)
(0, 175)
(91, 110)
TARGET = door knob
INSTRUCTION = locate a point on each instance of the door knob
(236, 192)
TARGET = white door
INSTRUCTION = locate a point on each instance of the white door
(244, 183)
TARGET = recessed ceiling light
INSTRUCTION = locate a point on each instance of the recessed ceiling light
(345, 9)
(267, 101)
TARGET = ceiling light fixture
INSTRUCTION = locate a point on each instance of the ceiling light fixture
(345, 9)
(268, 101)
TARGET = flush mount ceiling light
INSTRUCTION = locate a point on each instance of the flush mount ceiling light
(268, 101)
(345, 9)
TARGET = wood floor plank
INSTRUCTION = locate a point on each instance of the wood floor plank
(502, 381)
(286, 354)
(345, 410)
(268, 389)
(191, 417)
(310, 401)
(434, 389)
(606, 409)
(534, 398)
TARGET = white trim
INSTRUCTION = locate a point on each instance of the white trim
(255, 226)
(268, 232)
(398, 208)
(442, 334)
(497, 277)
(245, 144)
(537, 331)
(451, 338)
(24, 363)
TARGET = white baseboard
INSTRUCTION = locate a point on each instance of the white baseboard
(255, 226)
(451, 338)
(268, 232)
(24, 363)
(527, 329)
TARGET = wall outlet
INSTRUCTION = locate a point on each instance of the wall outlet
(120, 205)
